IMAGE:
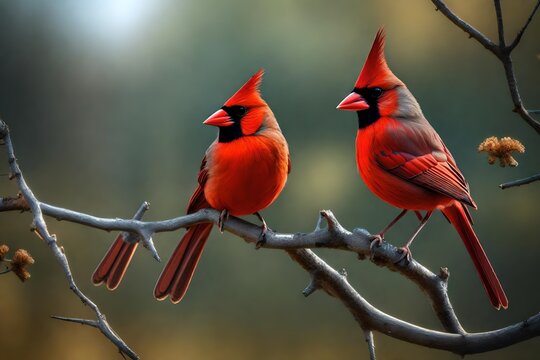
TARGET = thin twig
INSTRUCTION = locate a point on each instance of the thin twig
(368, 334)
(520, 182)
(465, 26)
(522, 30)
(500, 23)
(41, 229)
(92, 323)
(501, 51)
(14, 203)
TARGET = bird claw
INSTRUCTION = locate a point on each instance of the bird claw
(376, 241)
(406, 253)
(222, 218)
(261, 240)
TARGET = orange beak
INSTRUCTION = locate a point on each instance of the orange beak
(219, 118)
(353, 102)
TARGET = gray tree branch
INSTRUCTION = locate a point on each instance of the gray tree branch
(334, 236)
(370, 317)
(322, 276)
(325, 277)
(40, 228)
(502, 51)
(522, 30)
(520, 182)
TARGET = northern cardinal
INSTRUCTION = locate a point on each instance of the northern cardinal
(243, 172)
(403, 160)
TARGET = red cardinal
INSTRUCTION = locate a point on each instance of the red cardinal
(243, 172)
(403, 160)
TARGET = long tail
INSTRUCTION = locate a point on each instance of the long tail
(176, 276)
(112, 268)
(458, 217)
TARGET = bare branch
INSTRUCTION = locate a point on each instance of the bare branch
(42, 231)
(520, 182)
(520, 109)
(14, 203)
(368, 334)
(322, 275)
(500, 24)
(370, 317)
(465, 26)
(522, 31)
(312, 286)
(92, 323)
(337, 285)
(334, 236)
(502, 52)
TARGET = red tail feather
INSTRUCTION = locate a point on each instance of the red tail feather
(458, 217)
(176, 276)
(112, 268)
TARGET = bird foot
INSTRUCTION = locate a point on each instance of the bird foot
(406, 254)
(222, 218)
(376, 241)
(261, 240)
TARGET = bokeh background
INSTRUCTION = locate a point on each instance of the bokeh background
(105, 100)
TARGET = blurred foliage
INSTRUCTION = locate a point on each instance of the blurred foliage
(105, 101)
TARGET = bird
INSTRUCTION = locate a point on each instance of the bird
(243, 171)
(403, 160)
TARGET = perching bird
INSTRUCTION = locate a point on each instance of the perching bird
(402, 159)
(243, 172)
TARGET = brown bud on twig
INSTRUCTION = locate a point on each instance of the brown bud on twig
(20, 261)
(501, 149)
(4, 249)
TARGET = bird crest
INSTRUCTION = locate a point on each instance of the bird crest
(248, 94)
(375, 71)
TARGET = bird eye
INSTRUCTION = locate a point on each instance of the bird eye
(241, 110)
(377, 91)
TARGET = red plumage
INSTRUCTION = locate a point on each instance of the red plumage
(243, 172)
(402, 159)
(114, 264)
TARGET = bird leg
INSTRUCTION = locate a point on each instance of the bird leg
(392, 223)
(379, 237)
(222, 218)
(405, 250)
(262, 237)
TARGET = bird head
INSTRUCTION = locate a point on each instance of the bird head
(243, 113)
(377, 92)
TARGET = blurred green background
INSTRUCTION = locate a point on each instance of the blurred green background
(105, 100)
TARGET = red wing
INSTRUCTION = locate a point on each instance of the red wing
(419, 156)
(198, 200)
